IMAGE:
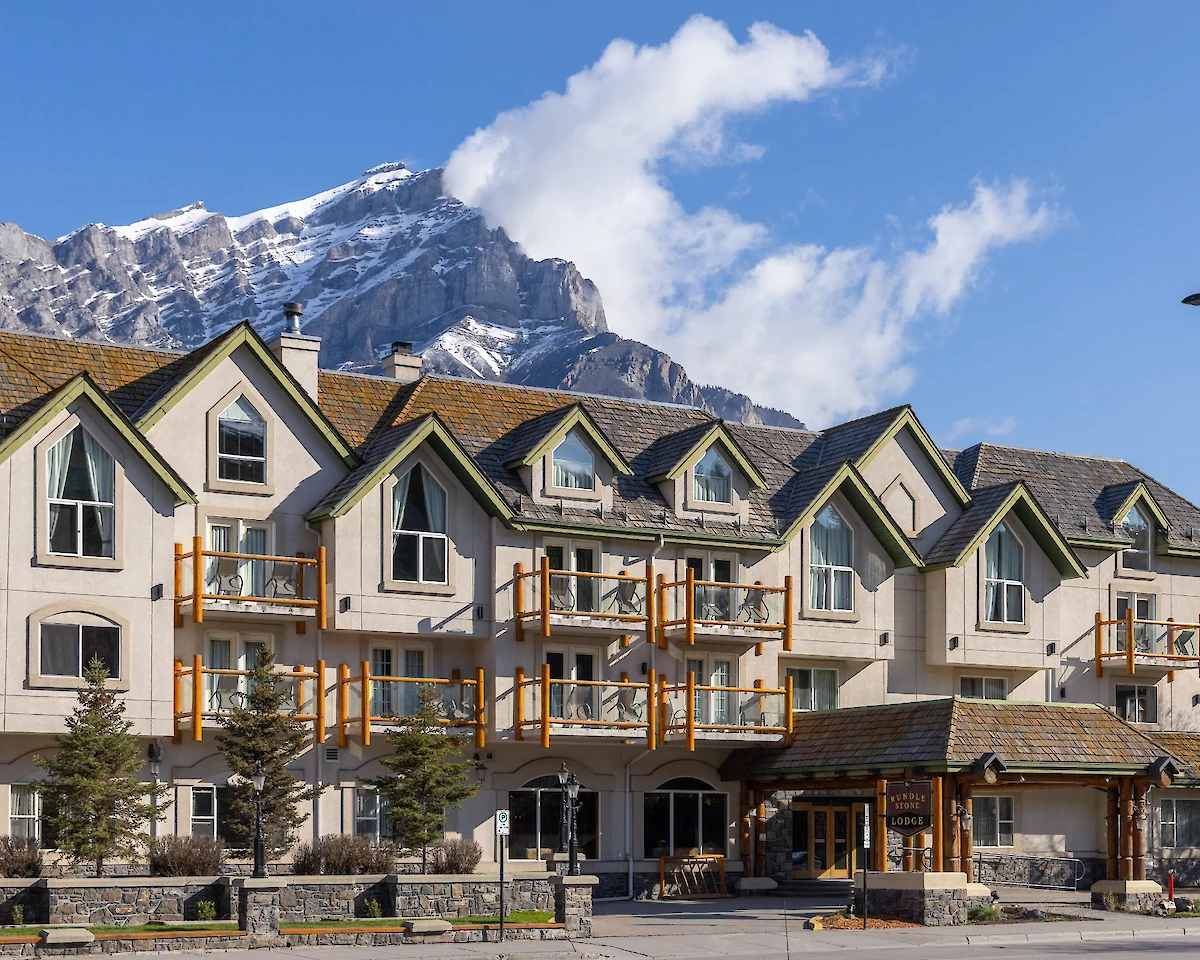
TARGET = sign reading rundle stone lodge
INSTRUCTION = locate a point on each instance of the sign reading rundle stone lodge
(909, 807)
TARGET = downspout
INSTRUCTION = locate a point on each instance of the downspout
(320, 766)
(628, 833)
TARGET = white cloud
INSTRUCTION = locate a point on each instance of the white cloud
(578, 175)
(971, 427)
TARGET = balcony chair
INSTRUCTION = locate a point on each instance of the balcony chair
(714, 604)
(225, 575)
(562, 597)
(753, 713)
(1185, 643)
(281, 578)
(628, 709)
(754, 607)
(457, 711)
(579, 705)
(626, 598)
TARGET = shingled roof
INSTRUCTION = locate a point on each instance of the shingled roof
(950, 735)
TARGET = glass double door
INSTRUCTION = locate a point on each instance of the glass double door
(827, 839)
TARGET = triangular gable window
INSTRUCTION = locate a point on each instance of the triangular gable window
(713, 479)
(574, 466)
(1136, 526)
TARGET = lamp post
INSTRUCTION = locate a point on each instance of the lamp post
(573, 805)
(154, 753)
(563, 829)
(259, 780)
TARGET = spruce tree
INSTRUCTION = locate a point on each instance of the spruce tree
(425, 780)
(264, 732)
(94, 801)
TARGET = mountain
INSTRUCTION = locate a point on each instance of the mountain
(382, 258)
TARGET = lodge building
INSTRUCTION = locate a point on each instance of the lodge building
(734, 635)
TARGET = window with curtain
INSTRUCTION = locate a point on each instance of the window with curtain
(1137, 703)
(69, 641)
(573, 465)
(683, 817)
(992, 821)
(1180, 822)
(535, 817)
(1136, 527)
(241, 443)
(27, 815)
(419, 542)
(712, 706)
(831, 564)
(712, 479)
(983, 688)
(815, 689)
(80, 494)
(1004, 578)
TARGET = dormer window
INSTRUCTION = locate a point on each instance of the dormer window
(1136, 527)
(419, 544)
(1004, 586)
(831, 565)
(241, 443)
(713, 480)
(573, 464)
(80, 490)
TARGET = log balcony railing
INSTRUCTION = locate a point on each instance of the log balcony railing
(690, 708)
(293, 586)
(206, 694)
(622, 708)
(723, 610)
(544, 596)
(1156, 643)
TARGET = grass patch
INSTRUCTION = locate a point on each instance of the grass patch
(515, 917)
(984, 914)
(20, 931)
(198, 929)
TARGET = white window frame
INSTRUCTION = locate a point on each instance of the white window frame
(1150, 714)
(223, 457)
(215, 819)
(799, 706)
(833, 569)
(421, 535)
(238, 528)
(380, 820)
(1003, 584)
(220, 686)
(584, 702)
(79, 505)
(1143, 633)
(35, 818)
(702, 497)
(1151, 533)
(54, 621)
(1171, 823)
(998, 820)
(398, 653)
(983, 685)
(713, 706)
(570, 565)
(591, 486)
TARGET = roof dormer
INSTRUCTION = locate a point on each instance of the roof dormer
(563, 455)
(1135, 517)
(703, 470)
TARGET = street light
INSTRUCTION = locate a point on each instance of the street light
(563, 773)
(573, 804)
(154, 753)
(258, 780)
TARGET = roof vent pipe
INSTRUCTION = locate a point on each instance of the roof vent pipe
(292, 312)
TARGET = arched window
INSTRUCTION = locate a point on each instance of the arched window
(419, 545)
(713, 479)
(537, 824)
(242, 443)
(683, 817)
(80, 490)
(574, 465)
(69, 641)
(1137, 528)
(1004, 587)
(831, 566)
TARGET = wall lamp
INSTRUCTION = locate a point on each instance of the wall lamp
(954, 643)
(1051, 649)
(884, 639)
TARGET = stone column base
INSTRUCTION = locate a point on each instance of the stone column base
(259, 909)
(573, 904)
(930, 899)
(1132, 896)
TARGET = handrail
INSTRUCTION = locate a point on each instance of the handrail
(1131, 653)
(757, 585)
(544, 722)
(767, 620)
(1079, 869)
(365, 678)
(690, 724)
(544, 610)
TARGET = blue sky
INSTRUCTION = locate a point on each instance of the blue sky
(1070, 339)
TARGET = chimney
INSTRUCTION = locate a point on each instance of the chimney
(297, 352)
(402, 364)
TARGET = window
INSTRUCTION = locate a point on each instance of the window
(573, 465)
(1004, 588)
(571, 700)
(236, 577)
(814, 689)
(394, 698)
(237, 652)
(208, 809)
(983, 688)
(27, 814)
(371, 817)
(1180, 823)
(69, 642)
(684, 817)
(992, 821)
(1144, 637)
(1137, 703)
(538, 828)
(572, 593)
(1137, 528)
(419, 544)
(241, 443)
(712, 706)
(81, 491)
(712, 479)
(831, 572)
(712, 604)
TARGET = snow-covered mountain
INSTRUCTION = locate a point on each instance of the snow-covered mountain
(382, 258)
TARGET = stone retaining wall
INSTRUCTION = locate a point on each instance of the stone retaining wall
(131, 901)
(29, 895)
(469, 896)
(335, 898)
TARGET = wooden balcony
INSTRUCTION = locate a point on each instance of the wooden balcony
(621, 708)
(724, 713)
(547, 598)
(204, 695)
(1159, 646)
(709, 609)
(241, 583)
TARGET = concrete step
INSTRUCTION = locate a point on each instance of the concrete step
(830, 890)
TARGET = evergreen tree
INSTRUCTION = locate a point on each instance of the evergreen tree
(94, 802)
(264, 732)
(425, 779)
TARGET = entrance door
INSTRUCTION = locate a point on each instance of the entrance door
(827, 839)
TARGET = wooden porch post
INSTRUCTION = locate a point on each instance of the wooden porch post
(745, 850)
(966, 841)
(880, 839)
(1138, 795)
(760, 836)
(938, 825)
(1113, 830)
(1126, 867)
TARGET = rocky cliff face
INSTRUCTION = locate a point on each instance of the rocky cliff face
(385, 257)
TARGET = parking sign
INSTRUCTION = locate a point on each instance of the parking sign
(502, 823)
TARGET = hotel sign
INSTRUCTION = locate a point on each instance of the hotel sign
(909, 807)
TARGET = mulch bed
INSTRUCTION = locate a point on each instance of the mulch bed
(841, 922)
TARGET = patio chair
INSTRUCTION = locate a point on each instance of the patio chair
(629, 604)
(1185, 643)
(754, 607)
(457, 711)
(579, 704)
(281, 578)
(716, 604)
(628, 710)
(226, 577)
(562, 597)
(752, 713)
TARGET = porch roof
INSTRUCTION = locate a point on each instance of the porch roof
(950, 736)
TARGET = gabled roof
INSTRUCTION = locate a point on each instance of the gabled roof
(810, 490)
(987, 509)
(674, 454)
(390, 449)
(83, 386)
(950, 735)
(200, 362)
(1116, 500)
(1185, 747)
(535, 438)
